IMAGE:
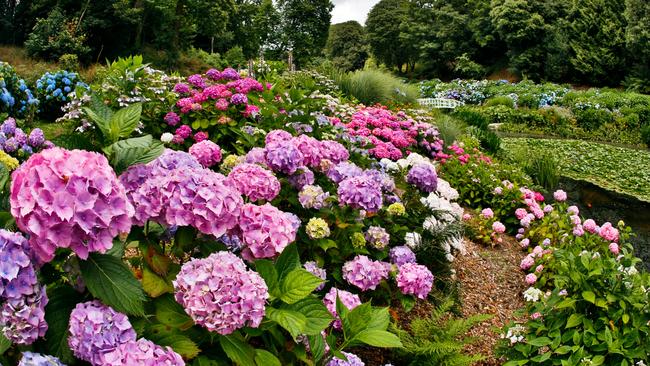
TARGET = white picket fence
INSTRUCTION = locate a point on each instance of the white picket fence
(440, 103)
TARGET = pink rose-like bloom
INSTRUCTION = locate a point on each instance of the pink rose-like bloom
(220, 293)
(206, 152)
(96, 329)
(467, 217)
(349, 300)
(498, 190)
(539, 197)
(365, 273)
(575, 220)
(560, 195)
(531, 278)
(142, 352)
(608, 232)
(578, 230)
(613, 247)
(414, 279)
(266, 231)
(487, 213)
(69, 199)
(527, 262)
(590, 226)
(254, 182)
(498, 227)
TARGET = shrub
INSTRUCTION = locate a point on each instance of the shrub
(543, 169)
(374, 86)
(234, 57)
(449, 128)
(465, 67)
(16, 99)
(645, 134)
(54, 89)
(500, 100)
(56, 36)
(69, 62)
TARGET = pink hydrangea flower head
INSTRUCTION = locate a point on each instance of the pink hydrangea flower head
(172, 119)
(531, 278)
(256, 155)
(96, 329)
(341, 171)
(200, 136)
(360, 192)
(608, 232)
(206, 152)
(142, 352)
(184, 131)
(573, 210)
(254, 182)
(313, 268)
(334, 151)
(487, 213)
(498, 227)
(276, 136)
(590, 226)
(365, 273)
(310, 149)
(536, 315)
(69, 199)
(414, 279)
(613, 247)
(349, 300)
(520, 213)
(302, 177)
(578, 230)
(560, 195)
(222, 104)
(266, 231)
(220, 293)
(548, 208)
(424, 177)
(527, 262)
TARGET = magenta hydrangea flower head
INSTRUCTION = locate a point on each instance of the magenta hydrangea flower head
(353, 360)
(230, 74)
(141, 352)
(17, 276)
(302, 177)
(239, 98)
(360, 192)
(23, 319)
(365, 273)
(334, 151)
(283, 156)
(342, 171)
(37, 359)
(172, 119)
(96, 329)
(590, 226)
(377, 237)
(400, 255)
(266, 231)
(424, 177)
(69, 199)
(206, 152)
(184, 131)
(254, 182)
(415, 279)
(311, 196)
(220, 293)
(276, 136)
(200, 136)
(348, 299)
(310, 149)
(313, 268)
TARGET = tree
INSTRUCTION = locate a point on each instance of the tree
(305, 27)
(637, 39)
(346, 45)
(383, 30)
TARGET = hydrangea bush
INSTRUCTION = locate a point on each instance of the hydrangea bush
(16, 98)
(54, 89)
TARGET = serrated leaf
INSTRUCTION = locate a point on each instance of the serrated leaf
(378, 338)
(62, 300)
(110, 280)
(266, 358)
(181, 344)
(315, 312)
(357, 320)
(155, 285)
(240, 352)
(379, 320)
(266, 269)
(292, 321)
(5, 344)
(287, 261)
(171, 313)
(136, 150)
(125, 121)
(317, 346)
(297, 285)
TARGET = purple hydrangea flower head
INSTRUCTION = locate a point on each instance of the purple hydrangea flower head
(365, 273)
(360, 192)
(401, 255)
(343, 170)
(302, 177)
(334, 151)
(20, 136)
(353, 360)
(181, 88)
(196, 80)
(11, 145)
(424, 177)
(239, 98)
(8, 126)
(230, 74)
(17, 275)
(220, 293)
(37, 359)
(171, 159)
(206, 152)
(48, 145)
(256, 155)
(312, 197)
(317, 271)
(348, 299)
(377, 237)
(266, 231)
(36, 138)
(283, 156)
(310, 149)
(276, 136)
(414, 279)
(172, 119)
(213, 74)
(69, 199)
(254, 182)
(23, 319)
(96, 329)
(141, 352)
(384, 180)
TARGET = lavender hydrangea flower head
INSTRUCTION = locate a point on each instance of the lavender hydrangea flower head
(8, 126)
(266, 231)
(230, 74)
(172, 119)
(313, 268)
(424, 177)
(348, 299)
(11, 145)
(310, 149)
(277, 136)
(69, 199)
(283, 156)
(37, 359)
(334, 151)
(254, 182)
(171, 159)
(360, 192)
(414, 279)
(220, 293)
(365, 273)
(142, 352)
(384, 180)
(239, 98)
(36, 138)
(256, 155)
(353, 360)
(206, 152)
(23, 319)
(401, 255)
(377, 237)
(302, 177)
(342, 171)
(20, 136)
(312, 197)
(96, 329)
(17, 276)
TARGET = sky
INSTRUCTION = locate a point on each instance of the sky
(345, 10)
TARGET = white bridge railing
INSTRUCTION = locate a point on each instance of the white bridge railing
(440, 103)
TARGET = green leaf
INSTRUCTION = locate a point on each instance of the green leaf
(378, 338)
(540, 341)
(153, 284)
(125, 121)
(266, 269)
(315, 312)
(101, 115)
(171, 313)
(137, 150)
(379, 320)
(568, 303)
(240, 352)
(266, 358)
(181, 344)
(287, 261)
(205, 361)
(589, 296)
(293, 321)
(297, 285)
(62, 300)
(574, 320)
(5, 344)
(317, 345)
(4, 176)
(110, 280)
(357, 320)
(598, 360)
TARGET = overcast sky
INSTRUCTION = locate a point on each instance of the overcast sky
(345, 10)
